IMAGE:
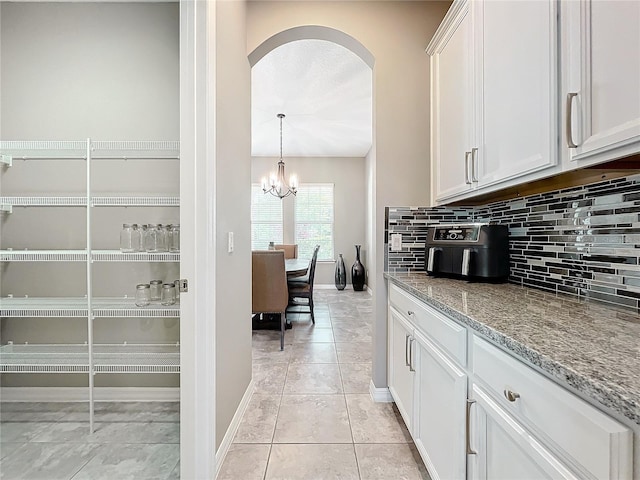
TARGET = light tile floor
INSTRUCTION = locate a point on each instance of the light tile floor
(51, 441)
(311, 416)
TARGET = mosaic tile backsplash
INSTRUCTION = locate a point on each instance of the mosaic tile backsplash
(583, 241)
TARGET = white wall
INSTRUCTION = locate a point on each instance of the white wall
(232, 212)
(69, 71)
(396, 33)
(348, 177)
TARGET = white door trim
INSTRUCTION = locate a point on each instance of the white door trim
(197, 263)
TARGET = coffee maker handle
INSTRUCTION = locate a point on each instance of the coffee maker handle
(431, 259)
(466, 261)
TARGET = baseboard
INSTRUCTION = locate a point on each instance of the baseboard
(81, 394)
(380, 395)
(225, 445)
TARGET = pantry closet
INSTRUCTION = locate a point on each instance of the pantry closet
(89, 129)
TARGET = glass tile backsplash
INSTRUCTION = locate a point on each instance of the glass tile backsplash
(583, 240)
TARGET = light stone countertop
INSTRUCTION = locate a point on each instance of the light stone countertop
(592, 347)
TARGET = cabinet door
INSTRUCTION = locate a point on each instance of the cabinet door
(440, 421)
(603, 64)
(401, 374)
(504, 450)
(516, 51)
(451, 104)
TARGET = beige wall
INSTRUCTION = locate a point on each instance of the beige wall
(233, 200)
(396, 33)
(348, 177)
(69, 71)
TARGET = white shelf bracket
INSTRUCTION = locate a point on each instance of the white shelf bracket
(5, 207)
(7, 160)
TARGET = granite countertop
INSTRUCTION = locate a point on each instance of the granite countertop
(592, 347)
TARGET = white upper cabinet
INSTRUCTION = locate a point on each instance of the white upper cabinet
(493, 96)
(452, 103)
(516, 84)
(601, 80)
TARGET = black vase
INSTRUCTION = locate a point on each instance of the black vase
(341, 273)
(357, 272)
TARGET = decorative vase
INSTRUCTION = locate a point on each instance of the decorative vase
(357, 272)
(341, 273)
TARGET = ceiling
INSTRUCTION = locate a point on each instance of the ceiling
(325, 91)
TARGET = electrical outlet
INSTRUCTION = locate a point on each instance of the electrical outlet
(396, 242)
(230, 243)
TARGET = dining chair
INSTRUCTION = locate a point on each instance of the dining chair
(301, 288)
(269, 286)
(290, 250)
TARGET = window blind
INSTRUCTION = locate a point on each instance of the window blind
(314, 220)
(266, 219)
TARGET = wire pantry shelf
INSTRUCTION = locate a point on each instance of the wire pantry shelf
(10, 255)
(117, 307)
(45, 201)
(118, 256)
(136, 201)
(43, 255)
(73, 358)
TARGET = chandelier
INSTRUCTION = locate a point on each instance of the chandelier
(277, 186)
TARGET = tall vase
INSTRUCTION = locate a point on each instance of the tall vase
(357, 272)
(341, 273)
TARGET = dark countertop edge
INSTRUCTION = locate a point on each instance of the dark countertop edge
(584, 386)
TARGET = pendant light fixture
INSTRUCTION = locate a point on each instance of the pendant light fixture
(277, 186)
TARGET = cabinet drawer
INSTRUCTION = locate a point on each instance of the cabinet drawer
(596, 443)
(447, 334)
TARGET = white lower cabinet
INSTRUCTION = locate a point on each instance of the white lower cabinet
(401, 374)
(440, 419)
(501, 448)
(492, 416)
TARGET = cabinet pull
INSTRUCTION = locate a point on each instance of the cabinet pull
(468, 428)
(569, 122)
(511, 396)
(411, 369)
(466, 168)
(410, 312)
(474, 153)
(406, 350)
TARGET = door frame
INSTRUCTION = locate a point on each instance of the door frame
(197, 218)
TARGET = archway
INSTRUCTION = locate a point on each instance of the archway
(311, 32)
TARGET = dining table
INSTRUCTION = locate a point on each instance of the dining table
(296, 267)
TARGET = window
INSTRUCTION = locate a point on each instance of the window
(314, 220)
(266, 219)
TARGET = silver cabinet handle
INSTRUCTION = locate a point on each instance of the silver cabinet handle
(569, 121)
(411, 369)
(474, 153)
(406, 350)
(511, 396)
(468, 427)
(466, 168)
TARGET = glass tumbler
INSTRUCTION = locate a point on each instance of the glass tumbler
(168, 294)
(156, 289)
(143, 294)
(126, 245)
